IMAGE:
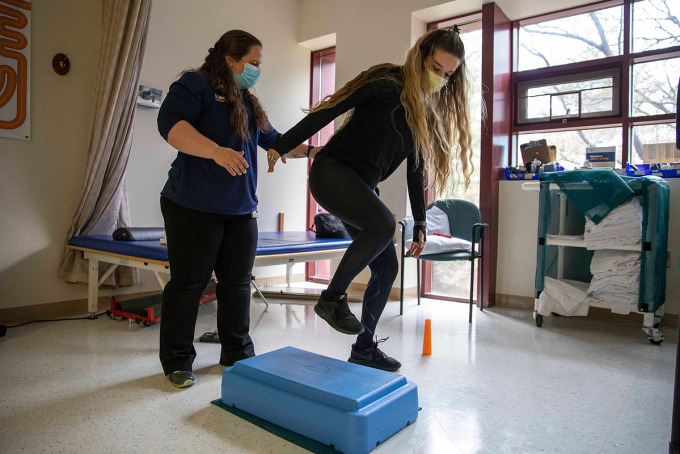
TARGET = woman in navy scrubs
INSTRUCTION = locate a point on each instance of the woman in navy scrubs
(209, 203)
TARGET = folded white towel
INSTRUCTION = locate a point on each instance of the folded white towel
(622, 303)
(612, 261)
(616, 279)
(615, 283)
(620, 227)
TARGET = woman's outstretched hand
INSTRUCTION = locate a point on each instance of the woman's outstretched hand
(272, 157)
(231, 160)
(418, 246)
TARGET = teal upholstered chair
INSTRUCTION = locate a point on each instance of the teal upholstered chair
(464, 223)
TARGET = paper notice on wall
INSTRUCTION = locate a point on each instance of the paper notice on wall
(15, 69)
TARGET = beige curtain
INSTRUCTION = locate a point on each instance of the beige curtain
(103, 205)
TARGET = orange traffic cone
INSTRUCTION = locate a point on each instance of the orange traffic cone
(427, 338)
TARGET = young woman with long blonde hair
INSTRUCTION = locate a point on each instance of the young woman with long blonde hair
(417, 112)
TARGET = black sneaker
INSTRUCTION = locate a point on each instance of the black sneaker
(182, 378)
(374, 357)
(337, 314)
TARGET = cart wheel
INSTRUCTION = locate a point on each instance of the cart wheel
(146, 323)
(539, 320)
(653, 335)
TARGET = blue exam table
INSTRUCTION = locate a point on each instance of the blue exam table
(273, 248)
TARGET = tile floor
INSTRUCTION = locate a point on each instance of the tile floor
(499, 385)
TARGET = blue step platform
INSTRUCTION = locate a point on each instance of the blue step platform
(334, 402)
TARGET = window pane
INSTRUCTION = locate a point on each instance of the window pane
(654, 87)
(451, 278)
(565, 105)
(571, 145)
(473, 59)
(587, 95)
(596, 100)
(653, 134)
(656, 24)
(583, 37)
(538, 107)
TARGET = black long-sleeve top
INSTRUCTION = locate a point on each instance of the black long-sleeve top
(374, 143)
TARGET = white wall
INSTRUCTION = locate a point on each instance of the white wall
(41, 179)
(179, 38)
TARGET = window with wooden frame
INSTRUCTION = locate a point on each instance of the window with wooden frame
(322, 84)
(603, 74)
(582, 95)
(450, 280)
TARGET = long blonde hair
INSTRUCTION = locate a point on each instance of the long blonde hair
(440, 123)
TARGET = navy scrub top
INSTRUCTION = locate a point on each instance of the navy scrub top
(199, 183)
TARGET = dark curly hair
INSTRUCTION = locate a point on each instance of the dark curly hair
(234, 44)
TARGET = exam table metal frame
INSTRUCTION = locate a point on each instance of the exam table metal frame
(95, 256)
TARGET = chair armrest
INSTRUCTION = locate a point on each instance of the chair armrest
(403, 237)
(478, 239)
(475, 228)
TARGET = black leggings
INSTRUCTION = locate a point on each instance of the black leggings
(343, 193)
(198, 243)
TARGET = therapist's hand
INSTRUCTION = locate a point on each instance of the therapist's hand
(231, 160)
(272, 157)
(417, 246)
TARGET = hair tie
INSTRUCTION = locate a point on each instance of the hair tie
(211, 50)
(456, 29)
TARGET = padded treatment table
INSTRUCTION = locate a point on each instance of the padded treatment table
(273, 248)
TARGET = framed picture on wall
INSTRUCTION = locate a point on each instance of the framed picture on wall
(149, 97)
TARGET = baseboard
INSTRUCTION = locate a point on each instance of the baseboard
(60, 309)
(514, 301)
(527, 303)
(72, 308)
(668, 321)
(395, 293)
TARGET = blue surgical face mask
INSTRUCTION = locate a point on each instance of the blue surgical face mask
(248, 77)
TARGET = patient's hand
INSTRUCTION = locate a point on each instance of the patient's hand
(418, 246)
(272, 157)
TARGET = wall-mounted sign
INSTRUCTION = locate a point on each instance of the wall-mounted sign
(15, 69)
(149, 97)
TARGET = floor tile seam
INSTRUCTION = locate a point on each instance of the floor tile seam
(619, 414)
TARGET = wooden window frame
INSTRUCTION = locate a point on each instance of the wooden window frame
(466, 23)
(624, 62)
(314, 97)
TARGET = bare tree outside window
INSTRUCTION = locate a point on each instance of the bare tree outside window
(599, 34)
(583, 37)
(656, 24)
